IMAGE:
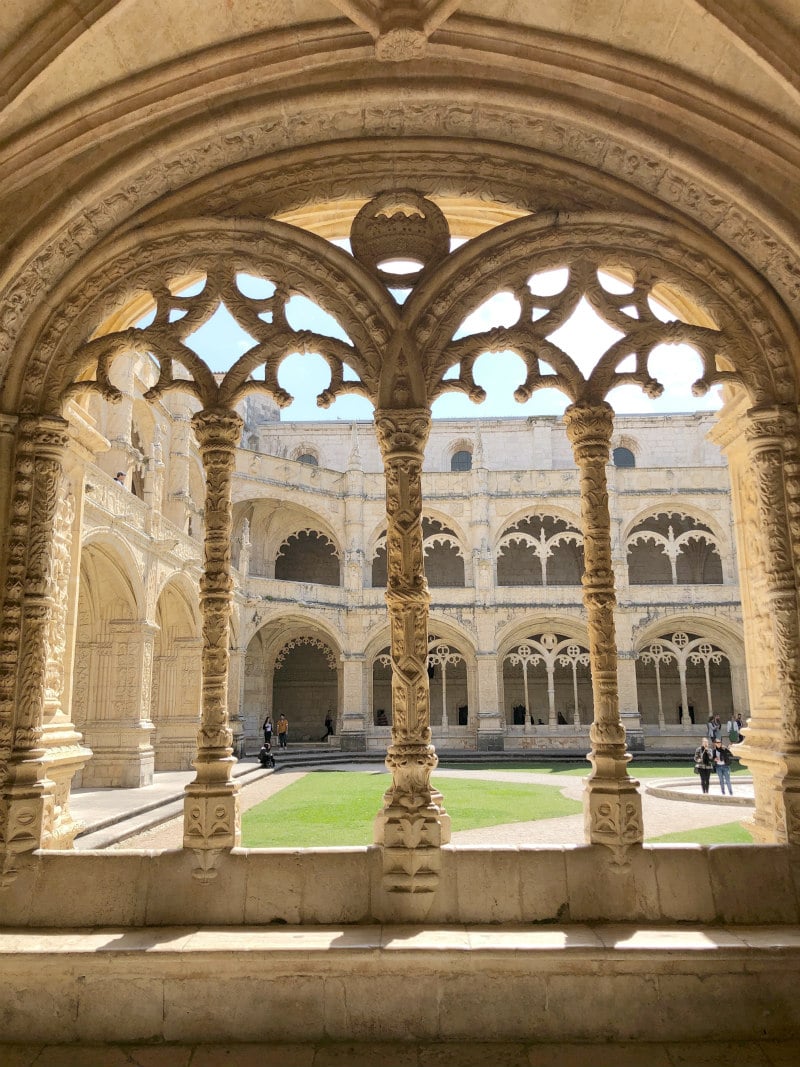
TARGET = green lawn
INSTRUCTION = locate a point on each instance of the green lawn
(338, 808)
(636, 768)
(730, 833)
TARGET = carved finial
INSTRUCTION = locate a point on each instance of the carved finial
(354, 459)
(478, 456)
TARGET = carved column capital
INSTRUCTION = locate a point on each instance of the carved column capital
(403, 431)
(767, 426)
(589, 429)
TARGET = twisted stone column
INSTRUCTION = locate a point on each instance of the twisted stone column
(413, 823)
(211, 811)
(26, 811)
(771, 434)
(612, 806)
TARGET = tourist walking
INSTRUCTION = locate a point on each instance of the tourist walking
(328, 727)
(283, 731)
(722, 762)
(704, 763)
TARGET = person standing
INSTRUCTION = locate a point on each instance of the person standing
(328, 727)
(732, 729)
(283, 730)
(704, 763)
(722, 762)
(266, 726)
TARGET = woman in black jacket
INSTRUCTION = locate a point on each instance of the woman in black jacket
(704, 763)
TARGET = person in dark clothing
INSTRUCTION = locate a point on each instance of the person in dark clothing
(704, 763)
(266, 726)
(328, 727)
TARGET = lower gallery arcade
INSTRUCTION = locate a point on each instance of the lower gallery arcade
(585, 583)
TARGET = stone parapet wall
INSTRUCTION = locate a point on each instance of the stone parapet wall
(716, 884)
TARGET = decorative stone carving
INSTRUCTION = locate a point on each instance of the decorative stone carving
(400, 226)
(413, 822)
(613, 813)
(304, 639)
(27, 809)
(768, 431)
(211, 818)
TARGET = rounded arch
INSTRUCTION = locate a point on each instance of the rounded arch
(544, 676)
(539, 547)
(688, 668)
(675, 545)
(452, 665)
(176, 676)
(690, 187)
(293, 667)
(118, 272)
(119, 553)
(680, 506)
(726, 633)
(700, 271)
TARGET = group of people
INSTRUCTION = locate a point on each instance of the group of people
(265, 755)
(283, 731)
(714, 754)
(732, 729)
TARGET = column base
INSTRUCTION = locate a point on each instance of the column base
(352, 742)
(123, 757)
(612, 813)
(65, 757)
(491, 742)
(29, 803)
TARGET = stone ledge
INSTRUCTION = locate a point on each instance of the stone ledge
(334, 984)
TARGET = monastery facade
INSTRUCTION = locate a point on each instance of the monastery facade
(503, 560)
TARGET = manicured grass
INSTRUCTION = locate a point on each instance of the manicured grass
(730, 833)
(338, 808)
(637, 768)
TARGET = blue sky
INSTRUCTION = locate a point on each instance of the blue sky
(585, 337)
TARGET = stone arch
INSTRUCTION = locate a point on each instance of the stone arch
(461, 444)
(175, 701)
(273, 525)
(309, 654)
(301, 261)
(113, 668)
(691, 187)
(308, 556)
(445, 563)
(709, 285)
(683, 676)
(544, 674)
(539, 548)
(673, 545)
(451, 678)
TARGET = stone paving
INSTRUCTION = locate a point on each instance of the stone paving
(662, 815)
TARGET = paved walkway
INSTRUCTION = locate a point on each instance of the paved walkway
(669, 805)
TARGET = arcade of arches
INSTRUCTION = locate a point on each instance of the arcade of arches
(178, 562)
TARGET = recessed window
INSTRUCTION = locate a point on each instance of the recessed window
(308, 459)
(623, 457)
(461, 461)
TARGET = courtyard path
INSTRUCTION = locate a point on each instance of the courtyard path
(661, 816)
